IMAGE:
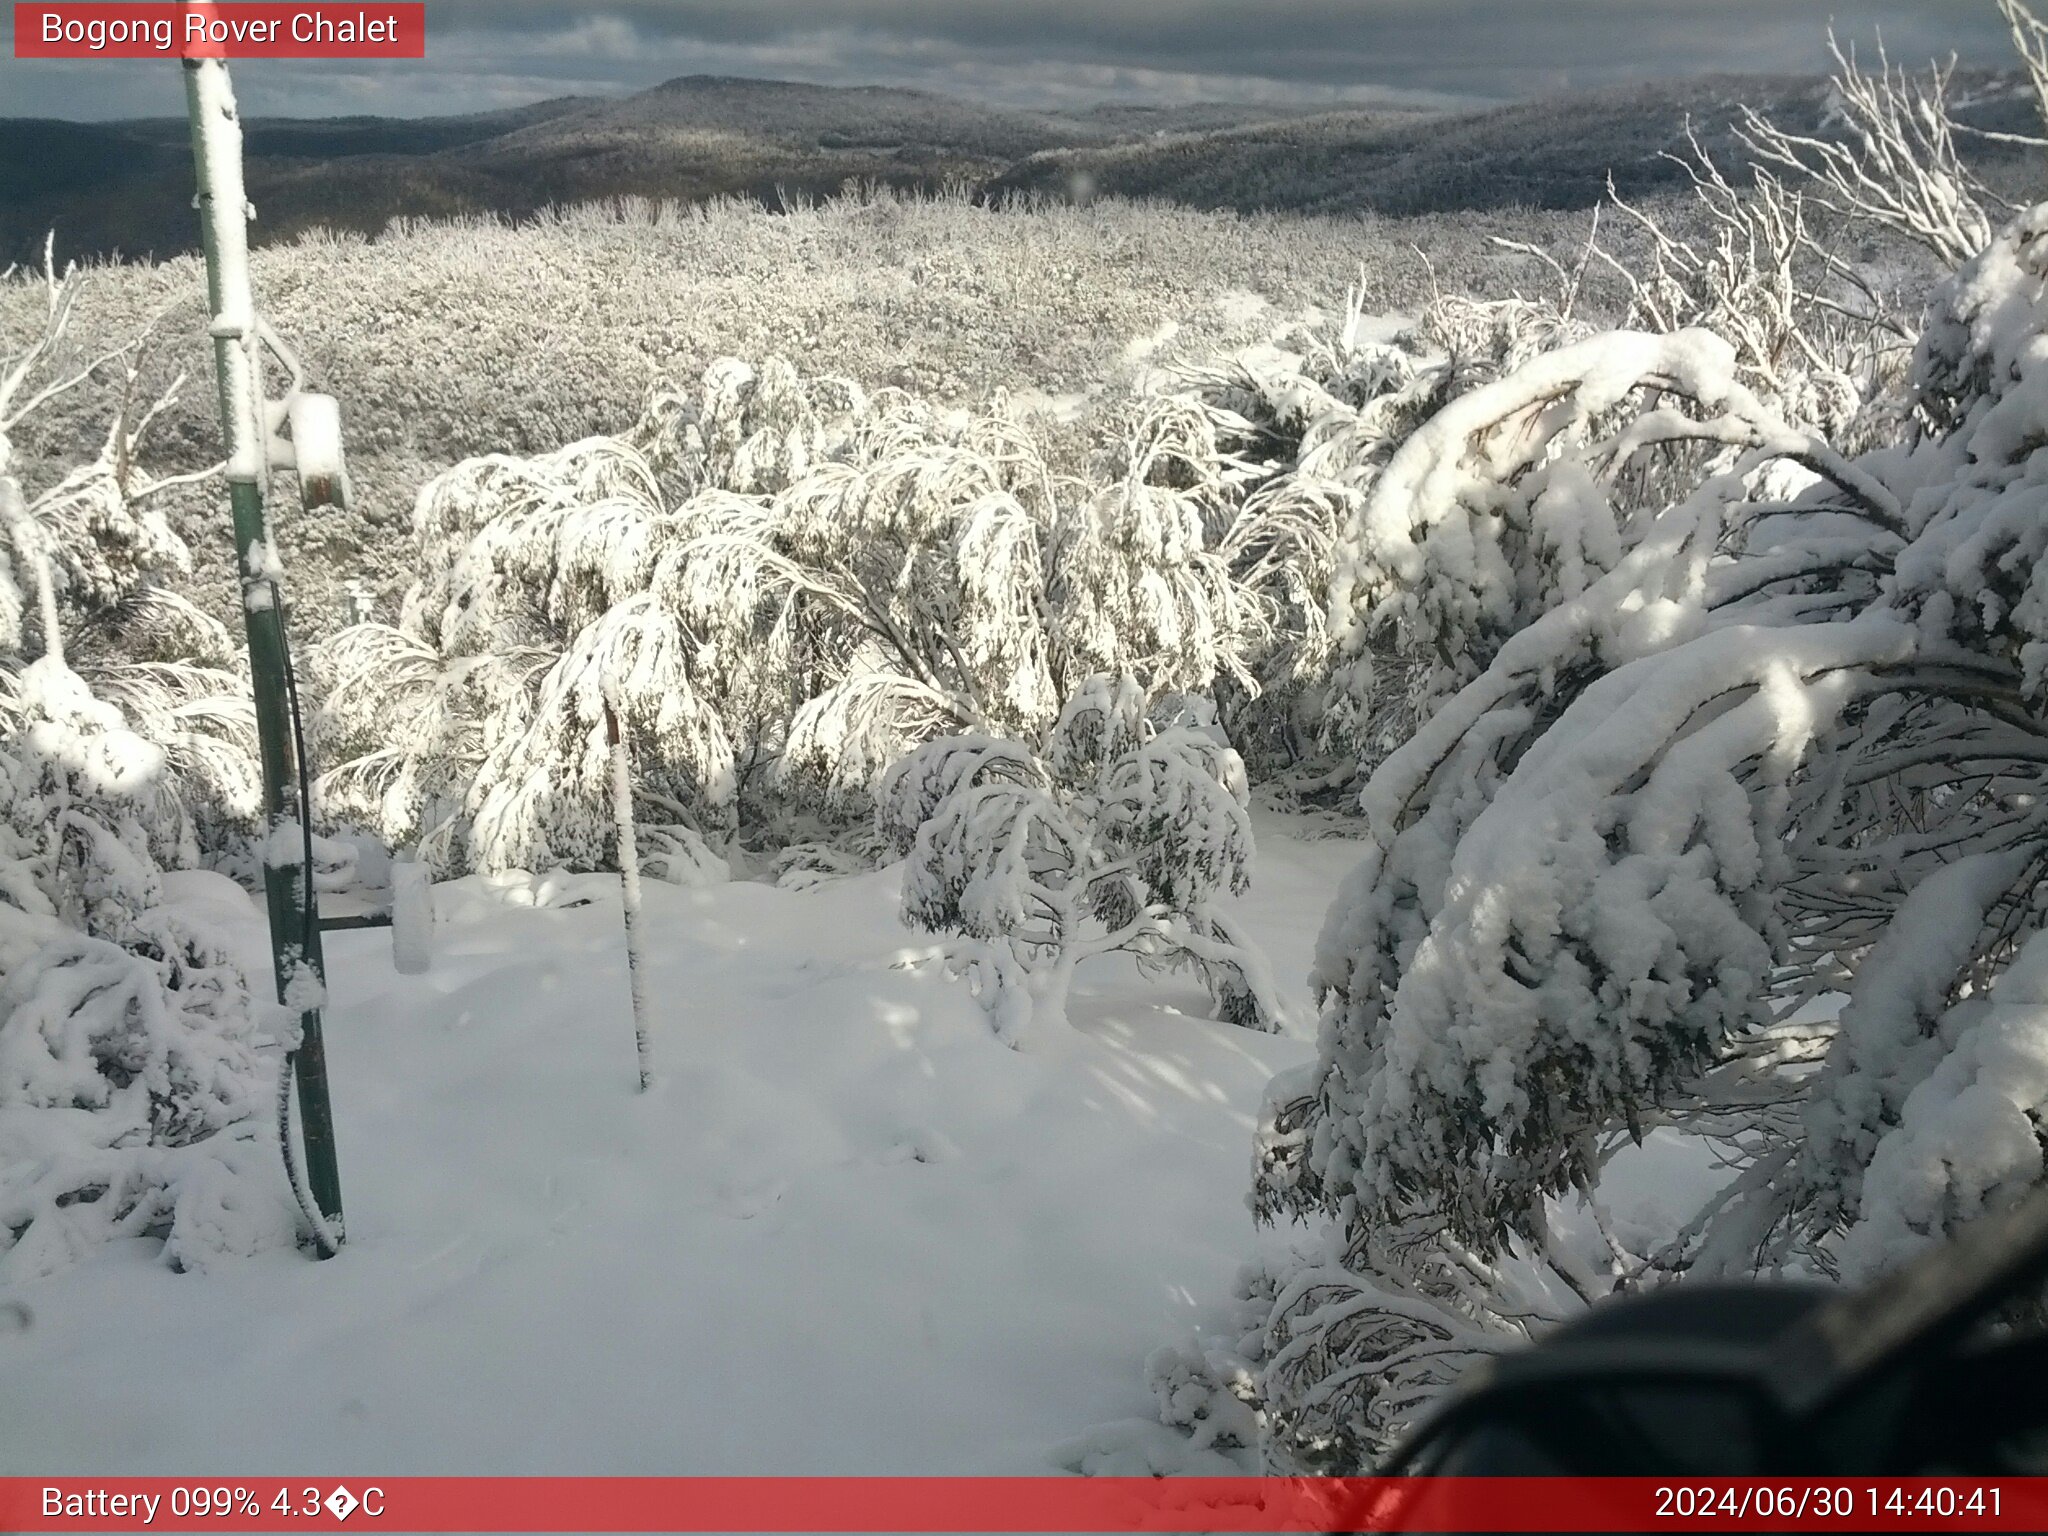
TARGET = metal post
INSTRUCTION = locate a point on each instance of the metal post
(629, 885)
(288, 884)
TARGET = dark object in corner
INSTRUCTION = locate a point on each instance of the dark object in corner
(1934, 1370)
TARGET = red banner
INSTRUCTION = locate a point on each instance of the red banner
(318, 30)
(1053, 1504)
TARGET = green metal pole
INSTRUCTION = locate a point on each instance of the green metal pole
(294, 916)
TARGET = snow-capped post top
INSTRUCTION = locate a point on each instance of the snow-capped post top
(316, 450)
(224, 205)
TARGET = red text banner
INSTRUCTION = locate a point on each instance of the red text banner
(318, 30)
(1052, 1504)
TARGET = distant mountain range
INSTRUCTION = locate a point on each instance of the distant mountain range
(1555, 152)
(126, 187)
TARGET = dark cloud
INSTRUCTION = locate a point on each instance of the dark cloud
(484, 53)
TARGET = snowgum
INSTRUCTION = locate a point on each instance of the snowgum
(1755, 751)
(793, 583)
(1119, 837)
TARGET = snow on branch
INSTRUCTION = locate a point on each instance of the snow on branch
(1119, 837)
(1769, 750)
(1896, 162)
(135, 1082)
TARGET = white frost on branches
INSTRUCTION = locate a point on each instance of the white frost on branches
(1896, 161)
(136, 1090)
(794, 582)
(1119, 838)
(1757, 750)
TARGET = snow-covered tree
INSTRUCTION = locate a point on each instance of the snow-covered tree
(543, 793)
(1293, 436)
(1119, 837)
(1692, 769)
(95, 539)
(86, 562)
(137, 1092)
(474, 728)
(793, 582)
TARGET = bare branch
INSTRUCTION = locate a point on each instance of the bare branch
(1897, 165)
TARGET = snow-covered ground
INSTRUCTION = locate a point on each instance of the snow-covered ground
(847, 1232)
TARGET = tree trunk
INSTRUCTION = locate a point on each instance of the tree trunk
(27, 538)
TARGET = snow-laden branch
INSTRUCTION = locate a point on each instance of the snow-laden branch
(1897, 163)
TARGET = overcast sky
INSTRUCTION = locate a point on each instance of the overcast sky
(489, 53)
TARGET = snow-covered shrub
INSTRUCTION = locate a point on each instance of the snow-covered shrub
(94, 537)
(1814, 336)
(911, 792)
(541, 797)
(84, 563)
(1299, 434)
(790, 582)
(137, 1093)
(1140, 585)
(474, 728)
(1895, 160)
(751, 431)
(1119, 837)
(1693, 768)
(1292, 435)
(1209, 1390)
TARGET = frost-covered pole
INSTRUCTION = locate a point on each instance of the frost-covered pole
(629, 879)
(288, 884)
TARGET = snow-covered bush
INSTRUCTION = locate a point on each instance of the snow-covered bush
(475, 727)
(1277, 444)
(1210, 1390)
(94, 538)
(1119, 837)
(1692, 769)
(1301, 432)
(790, 582)
(137, 1093)
(85, 559)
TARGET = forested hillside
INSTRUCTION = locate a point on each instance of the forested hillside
(124, 186)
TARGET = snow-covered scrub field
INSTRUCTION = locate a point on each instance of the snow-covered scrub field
(447, 339)
(1665, 689)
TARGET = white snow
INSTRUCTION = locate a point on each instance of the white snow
(227, 211)
(1967, 1139)
(412, 918)
(1143, 348)
(316, 438)
(847, 1231)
